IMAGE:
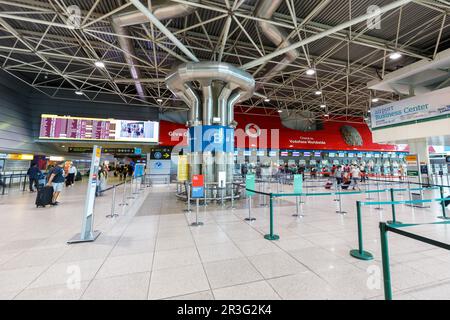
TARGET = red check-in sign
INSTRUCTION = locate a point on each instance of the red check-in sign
(197, 180)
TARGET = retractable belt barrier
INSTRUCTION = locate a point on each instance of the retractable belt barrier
(272, 236)
(396, 228)
(365, 255)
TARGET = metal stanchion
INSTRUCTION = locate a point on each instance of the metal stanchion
(335, 191)
(360, 253)
(24, 183)
(271, 236)
(232, 197)
(197, 223)
(3, 185)
(131, 190)
(379, 199)
(385, 262)
(340, 211)
(113, 205)
(205, 204)
(368, 189)
(394, 220)
(250, 218)
(264, 204)
(444, 214)
(297, 213)
(124, 201)
(188, 193)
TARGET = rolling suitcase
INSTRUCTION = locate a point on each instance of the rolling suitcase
(44, 196)
(447, 201)
(345, 185)
(78, 176)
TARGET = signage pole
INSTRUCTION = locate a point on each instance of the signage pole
(379, 200)
(87, 233)
(197, 223)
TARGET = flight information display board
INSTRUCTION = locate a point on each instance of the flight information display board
(77, 128)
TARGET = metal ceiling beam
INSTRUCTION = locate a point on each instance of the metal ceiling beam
(321, 35)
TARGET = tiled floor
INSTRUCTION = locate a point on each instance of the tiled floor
(151, 252)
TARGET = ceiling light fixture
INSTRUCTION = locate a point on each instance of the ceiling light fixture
(280, 111)
(79, 93)
(266, 100)
(159, 100)
(323, 106)
(99, 64)
(318, 93)
(310, 72)
(395, 55)
(375, 100)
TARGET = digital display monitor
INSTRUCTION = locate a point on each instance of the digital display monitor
(377, 155)
(296, 154)
(261, 153)
(317, 154)
(55, 127)
(351, 155)
(272, 153)
(360, 155)
(368, 155)
(306, 154)
(284, 153)
(332, 154)
(247, 153)
(341, 154)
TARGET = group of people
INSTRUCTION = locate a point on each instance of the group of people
(123, 170)
(57, 175)
(349, 175)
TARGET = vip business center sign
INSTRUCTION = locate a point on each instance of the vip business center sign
(433, 104)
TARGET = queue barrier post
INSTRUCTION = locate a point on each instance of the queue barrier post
(444, 213)
(250, 218)
(188, 195)
(124, 200)
(378, 196)
(385, 262)
(113, 205)
(3, 185)
(271, 236)
(340, 211)
(197, 223)
(360, 253)
(394, 220)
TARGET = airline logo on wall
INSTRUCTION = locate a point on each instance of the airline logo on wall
(252, 130)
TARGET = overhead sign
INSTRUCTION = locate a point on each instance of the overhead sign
(80, 128)
(433, 104)
(129, 151)
(20, 156)
(161, 154)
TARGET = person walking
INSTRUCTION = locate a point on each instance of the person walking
(338, 175)
(71, 175)
(33, 175)
(56, 180)
(355, 176)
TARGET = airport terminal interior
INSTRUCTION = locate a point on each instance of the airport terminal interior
(224, 150)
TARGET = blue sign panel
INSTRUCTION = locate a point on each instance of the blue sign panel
(211, 138)
(137, 151)
(198, 192)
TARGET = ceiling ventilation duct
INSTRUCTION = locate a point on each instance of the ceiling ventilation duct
(265, 10)
(162, 10)
(301, 120)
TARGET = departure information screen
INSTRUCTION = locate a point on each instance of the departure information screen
(77, 128)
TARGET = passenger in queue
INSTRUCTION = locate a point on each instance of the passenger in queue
(56, 180)
(33, 175)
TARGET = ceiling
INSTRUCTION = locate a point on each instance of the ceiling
(39, 47)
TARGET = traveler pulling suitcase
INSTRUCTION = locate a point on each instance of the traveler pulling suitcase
(44, 196)
(345, 185)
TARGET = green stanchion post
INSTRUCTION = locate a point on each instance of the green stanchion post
(360, 253)
(385, 262)
(271, 236)
(394, 220)
(444, 214)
